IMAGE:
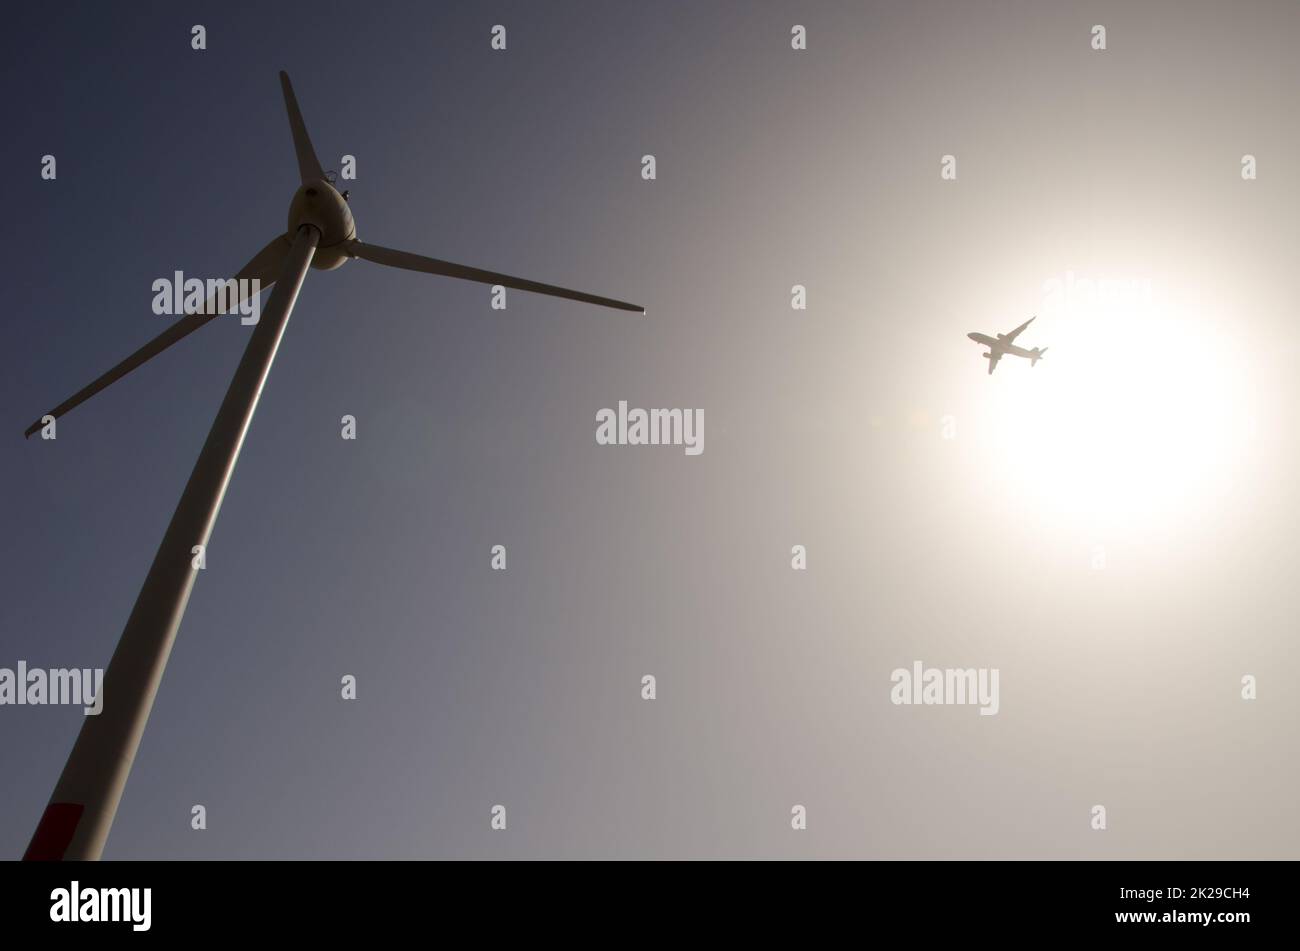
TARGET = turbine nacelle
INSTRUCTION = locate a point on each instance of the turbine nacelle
(318, 204)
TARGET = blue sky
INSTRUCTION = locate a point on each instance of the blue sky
(476, 427)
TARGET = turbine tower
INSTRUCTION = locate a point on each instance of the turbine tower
(321, 234)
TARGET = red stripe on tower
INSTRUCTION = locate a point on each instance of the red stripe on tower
(54, 834)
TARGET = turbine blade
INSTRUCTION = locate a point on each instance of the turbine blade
(418, 262)
(265, 267)
(308, 165)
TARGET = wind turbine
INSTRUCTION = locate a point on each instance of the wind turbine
(321, 234)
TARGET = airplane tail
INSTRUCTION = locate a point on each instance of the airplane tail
(1038, 355)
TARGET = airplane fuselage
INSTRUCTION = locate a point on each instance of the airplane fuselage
(1000, 345)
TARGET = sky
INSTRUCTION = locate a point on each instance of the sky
(1111, 530)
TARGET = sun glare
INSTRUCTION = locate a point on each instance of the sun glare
(1136, 417)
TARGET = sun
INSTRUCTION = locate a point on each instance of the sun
(1137, 418)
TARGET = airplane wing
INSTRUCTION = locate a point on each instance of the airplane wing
(1015, 333)
(994, 357)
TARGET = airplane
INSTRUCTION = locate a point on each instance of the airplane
(1003, 344)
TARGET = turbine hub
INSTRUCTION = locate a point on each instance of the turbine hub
(319, 204)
